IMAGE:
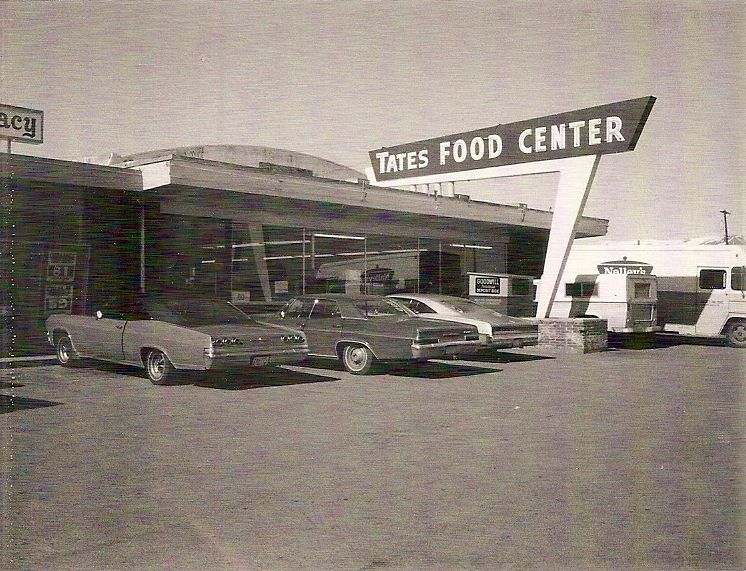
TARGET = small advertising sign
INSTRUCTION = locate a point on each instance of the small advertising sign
(484, 285)
(240, 297)
(21, 124)
(61, 266)
(58, 298)
(58, 294)
(612, 128)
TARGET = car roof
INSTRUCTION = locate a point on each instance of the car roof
(428, 296)
(341, 296)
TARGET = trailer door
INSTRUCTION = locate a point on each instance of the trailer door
(712, 301)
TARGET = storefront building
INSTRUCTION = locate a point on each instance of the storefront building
(248, 224)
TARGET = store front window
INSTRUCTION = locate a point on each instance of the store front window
(260, 267)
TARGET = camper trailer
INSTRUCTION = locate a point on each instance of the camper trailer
(626, 301)
(700, 286)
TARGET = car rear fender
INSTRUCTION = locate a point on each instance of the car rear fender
(144, 354)
(184, 347)
(342, 342)
(59, 332)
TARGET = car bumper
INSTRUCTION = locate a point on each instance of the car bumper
(635, 329)
(450, 348)
(510, 341)
(255, 358)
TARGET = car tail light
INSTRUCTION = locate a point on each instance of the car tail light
(223, 341)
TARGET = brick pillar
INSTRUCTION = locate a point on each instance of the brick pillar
(580, 335)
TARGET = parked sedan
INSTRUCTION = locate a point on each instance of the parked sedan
(362, 329)
(161, 334)
(496, 330)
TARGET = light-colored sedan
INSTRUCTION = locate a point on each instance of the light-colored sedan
(161, 335)
(496, 330)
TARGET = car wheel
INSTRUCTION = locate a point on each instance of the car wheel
(357, 359)
(735, 333)
(158, 368)
(64, 351)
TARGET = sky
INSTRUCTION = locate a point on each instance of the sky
(338, 79)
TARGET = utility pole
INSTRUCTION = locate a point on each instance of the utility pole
(725, 219)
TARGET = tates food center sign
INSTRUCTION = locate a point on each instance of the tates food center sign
(612, 128)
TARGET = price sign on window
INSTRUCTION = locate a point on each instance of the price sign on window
(61, 267)
(58, 298)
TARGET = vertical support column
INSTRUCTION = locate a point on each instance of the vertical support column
(142, 247)
(303, 264)
(257, 237)
(576, 178)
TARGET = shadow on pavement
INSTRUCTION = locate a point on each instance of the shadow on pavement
(240, 379)
(503, 357)
(424, 369)
(20, 363)
(637, 342)
(236, 378)
(434, 370)
(11, 404)
(10, 385)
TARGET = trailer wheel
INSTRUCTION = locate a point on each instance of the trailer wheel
(735, 333)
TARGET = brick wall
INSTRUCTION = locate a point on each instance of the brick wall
(577, 334)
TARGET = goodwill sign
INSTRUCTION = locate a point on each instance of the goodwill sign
(612, 128)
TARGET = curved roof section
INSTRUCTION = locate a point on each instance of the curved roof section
(245, 155)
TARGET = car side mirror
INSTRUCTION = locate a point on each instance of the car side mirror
(99, 314)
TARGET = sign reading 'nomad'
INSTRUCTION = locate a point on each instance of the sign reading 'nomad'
(612, 128)
(21, 124)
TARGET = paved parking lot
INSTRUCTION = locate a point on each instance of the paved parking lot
(627, 459)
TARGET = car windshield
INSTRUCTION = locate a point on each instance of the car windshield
(380, 308)
(196, 312)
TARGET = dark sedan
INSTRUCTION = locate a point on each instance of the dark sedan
(362, 329)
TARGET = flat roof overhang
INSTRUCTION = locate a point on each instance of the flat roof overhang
(25, 168)
(199, 187)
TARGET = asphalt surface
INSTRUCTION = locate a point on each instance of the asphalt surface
(627, 459)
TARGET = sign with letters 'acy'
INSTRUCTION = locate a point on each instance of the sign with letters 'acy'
(21, 124)
(612, 128)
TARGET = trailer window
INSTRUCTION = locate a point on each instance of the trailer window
(642, 290)
(738, 278)
(712, 279)
(579, 289)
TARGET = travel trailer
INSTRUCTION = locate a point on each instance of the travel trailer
(626, 301)
(701, 286)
